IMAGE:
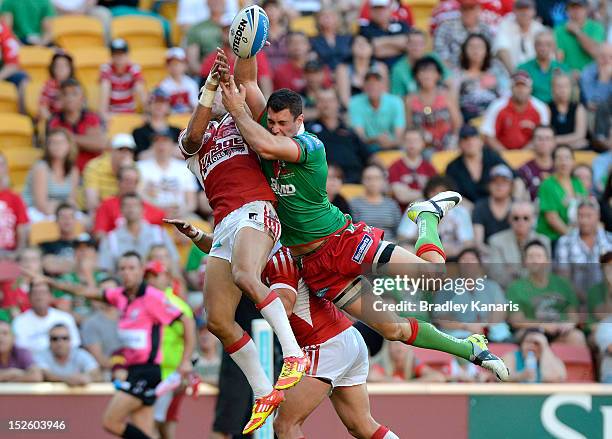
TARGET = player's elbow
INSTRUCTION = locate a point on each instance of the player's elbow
(265, 150)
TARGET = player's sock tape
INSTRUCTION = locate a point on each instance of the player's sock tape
(349, 294)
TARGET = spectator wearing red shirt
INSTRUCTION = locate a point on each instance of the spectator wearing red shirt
(120, 82)
(85, 125)
(264, 76)
(13, 215)
(409, 174)
(13, 300)
(108, 215)
(60, 69)
(509, 121)
(9, 61)
(291, 74)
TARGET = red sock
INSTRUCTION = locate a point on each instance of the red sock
(269, 299)
(380, 433)
(414, 329)
(238, 344)
(430, 248)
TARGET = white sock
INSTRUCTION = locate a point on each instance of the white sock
(244, 354)
(390, 435)
(273, 311)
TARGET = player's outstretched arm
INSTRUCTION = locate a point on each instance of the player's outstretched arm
(268, 146)
(245, 73)
(201, 239)
(88, 292)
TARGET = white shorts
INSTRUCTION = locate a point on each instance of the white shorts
(343, 359)
(260, 215)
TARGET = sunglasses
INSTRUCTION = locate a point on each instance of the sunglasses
(60, 338)
(518, 218)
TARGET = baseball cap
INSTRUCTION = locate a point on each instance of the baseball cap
(501, 170)
(123, 140)
(468, 130)
(85, 239)
(519, 4)
(373, 73)
(155, 267)
(119, 45)
(522, 77)
(379, 3)
(176, 53)
(577, 3)
(159, 94)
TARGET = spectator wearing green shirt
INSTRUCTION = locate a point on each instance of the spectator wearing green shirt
(543, 66)
(559, 195)
(194, 268)
(578, 39)
(202, 38)
(545, 300)
(377, 117)
(402, 81)
(30, 20)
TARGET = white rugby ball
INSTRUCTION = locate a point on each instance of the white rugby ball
(249, 31)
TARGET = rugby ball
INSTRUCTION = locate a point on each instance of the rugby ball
(249, 31)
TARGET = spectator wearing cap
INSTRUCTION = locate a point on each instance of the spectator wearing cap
(490, 214)
(13, 215)
(376, 116)
(543, 66)
(85, 125)
(9, 62)
(58, 254)
(596, 78)
(134, 235)
(559, 196)
(166, 181)
(31, 328)
(30, 20)
(264, 72)
(578, 252)
(202, 38)
(509, 121)
(402, 80)
(181, 89)
(62, 363)
(515, 37)
(108, 215)
(331, 47)
(451, 34)
(568, 117)
(60, 69)
(156, 120)
(541, 165)
(100, 175)
(16, 364)
(432, 108)
(350, 75)
(387, 34)
(470, 171)
(579, 38)
(121, 82)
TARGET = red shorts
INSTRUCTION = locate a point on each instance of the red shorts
(345, 256)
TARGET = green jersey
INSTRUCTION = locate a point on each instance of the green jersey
(173, 336)
(305, 213)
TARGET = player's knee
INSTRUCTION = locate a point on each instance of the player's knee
(245, 279)
(361, 428)
(284, 427)
(219, 327)
(112, 424)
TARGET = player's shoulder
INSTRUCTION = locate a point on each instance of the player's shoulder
(310, 141)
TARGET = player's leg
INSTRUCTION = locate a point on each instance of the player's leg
(300, 402)
(143, 419)
(114, 419)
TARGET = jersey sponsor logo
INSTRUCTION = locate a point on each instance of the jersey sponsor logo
(253, 216)
(282, 190)
(224, 149)
(362, 249)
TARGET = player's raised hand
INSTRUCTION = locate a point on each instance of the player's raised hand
(183, 226)
(234, 98)
(223, 67)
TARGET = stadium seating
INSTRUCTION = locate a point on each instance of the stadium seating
(35, 61)
(20, 161)
(179, 120)
(441, 159)
(577, 361)
(387, 158)
(138, 31)
(8, 98)
(152, 61)
(16, 131)
(87, 61)
(585, 157)
(74, 31)
(421, 12)
(435, 359)
(350, 191)
(306, 24)
(32, 97)
(48, 231)
(124, 123)
(92, 95)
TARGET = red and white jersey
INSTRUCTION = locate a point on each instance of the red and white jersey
(314, 320)
(123, 87)
(183, 94)
(228, 170)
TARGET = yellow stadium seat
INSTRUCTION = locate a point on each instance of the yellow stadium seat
(585, 157)
(8, 98)
(92, 96)
(48, 231)
(205, 226)
(139, 31)
(32, 97)
(517, 158)
(350, 191)
(387, 158)
(20, 160)
(124, 123)
(441, 159)
(421, 11)
(168, 10)
(152, 61)
(306, 24)
(179, 120)
(87, 62)
(35, 61)
(16, 131)
(72, 31)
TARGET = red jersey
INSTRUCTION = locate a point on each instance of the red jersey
(87, 120)
(108, 215)
(228, 170)
(9, 46)
(123, 87)
(12, 214)
(414, 178)
(49, 96)
(314, 320)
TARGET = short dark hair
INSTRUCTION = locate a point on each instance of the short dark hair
(285, 99)
(64, 206)
(59, 325)
(424, 63)
(472, 250)
(464, 62)
(438, 180)
(61, 54)
(536, 243)
(605, 258)
(132, 254)
(560, 147)
(70, 82)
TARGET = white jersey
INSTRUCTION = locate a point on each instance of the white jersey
(183, 94)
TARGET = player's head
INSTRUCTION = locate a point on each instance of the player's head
(218, 110)
(130, 270)
(285, 110)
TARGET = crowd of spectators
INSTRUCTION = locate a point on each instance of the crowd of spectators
(454, 103)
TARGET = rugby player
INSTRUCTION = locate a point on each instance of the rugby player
(246, 229)
(332, 251)
(144, 310)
